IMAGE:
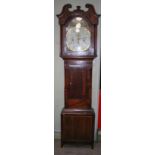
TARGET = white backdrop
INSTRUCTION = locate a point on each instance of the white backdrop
(26, 77)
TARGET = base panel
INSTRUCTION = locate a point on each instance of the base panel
(77, 126)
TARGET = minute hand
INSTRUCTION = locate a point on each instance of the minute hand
(78, 35)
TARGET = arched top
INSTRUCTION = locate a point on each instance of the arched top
(78, 20)
(72, 18)
(90, 14)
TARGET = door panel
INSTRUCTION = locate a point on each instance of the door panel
(77, 128)
(78, 85)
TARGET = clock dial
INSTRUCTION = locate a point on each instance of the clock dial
(78, 36)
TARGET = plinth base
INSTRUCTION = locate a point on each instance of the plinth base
(77, 126)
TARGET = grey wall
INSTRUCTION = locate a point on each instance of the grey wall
(59, 63)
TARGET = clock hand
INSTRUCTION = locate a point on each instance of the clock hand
(78, 35)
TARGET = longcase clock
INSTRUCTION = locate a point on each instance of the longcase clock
(78, 44)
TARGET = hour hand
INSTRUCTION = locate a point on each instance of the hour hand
(72, 40)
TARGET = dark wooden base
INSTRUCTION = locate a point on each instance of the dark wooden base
(77, 126)
(77, 144)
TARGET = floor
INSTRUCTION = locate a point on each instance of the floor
(76, 149)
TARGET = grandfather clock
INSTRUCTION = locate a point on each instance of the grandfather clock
(78, 42)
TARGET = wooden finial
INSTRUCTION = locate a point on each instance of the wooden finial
(78, 7)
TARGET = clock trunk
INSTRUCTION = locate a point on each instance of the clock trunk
(78, 81)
